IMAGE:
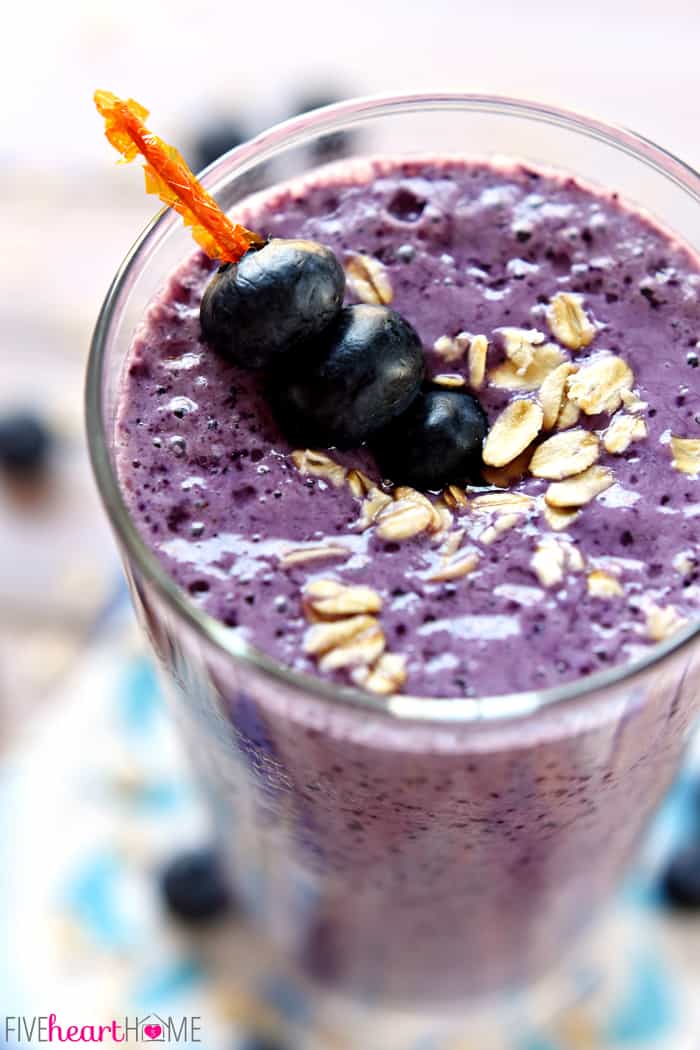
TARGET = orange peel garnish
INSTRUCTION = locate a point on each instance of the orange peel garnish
(170, 178)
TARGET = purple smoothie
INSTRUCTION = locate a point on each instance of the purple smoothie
(210, 482)
(413, 859)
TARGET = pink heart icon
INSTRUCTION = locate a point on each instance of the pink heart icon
(152, 1030)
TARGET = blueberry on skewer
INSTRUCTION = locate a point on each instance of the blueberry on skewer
(273, 300)
(365, 370)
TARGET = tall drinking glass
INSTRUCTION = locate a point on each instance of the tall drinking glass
(409, 850)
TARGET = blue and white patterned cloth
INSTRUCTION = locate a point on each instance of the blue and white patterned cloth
(95, 798)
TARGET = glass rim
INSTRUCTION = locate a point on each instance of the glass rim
(405, 708)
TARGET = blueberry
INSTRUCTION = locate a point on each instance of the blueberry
(681, 880)
(436, 442)
(365, 370)
(261, 1042)
(194, 886)
(286, 293)
(215, 139)
(24, 444)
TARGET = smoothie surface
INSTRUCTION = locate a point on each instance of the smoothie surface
(494, 595)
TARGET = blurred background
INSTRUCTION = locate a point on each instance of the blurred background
(212, 74)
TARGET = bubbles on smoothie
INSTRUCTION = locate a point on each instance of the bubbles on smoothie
(177, 445)
(522, 231)
(405, 253)
(405, 206)
(176, 517)
(181, 406)
(185, 362)
(198, 587)
(244, 493)
(560, 262)
(518, 268)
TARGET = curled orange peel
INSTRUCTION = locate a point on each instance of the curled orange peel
(169, 177)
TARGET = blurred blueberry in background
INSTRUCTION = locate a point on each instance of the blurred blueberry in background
(260, 1042)
(215, 138)
(328, 147)
(194, 886)
(25, 443)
